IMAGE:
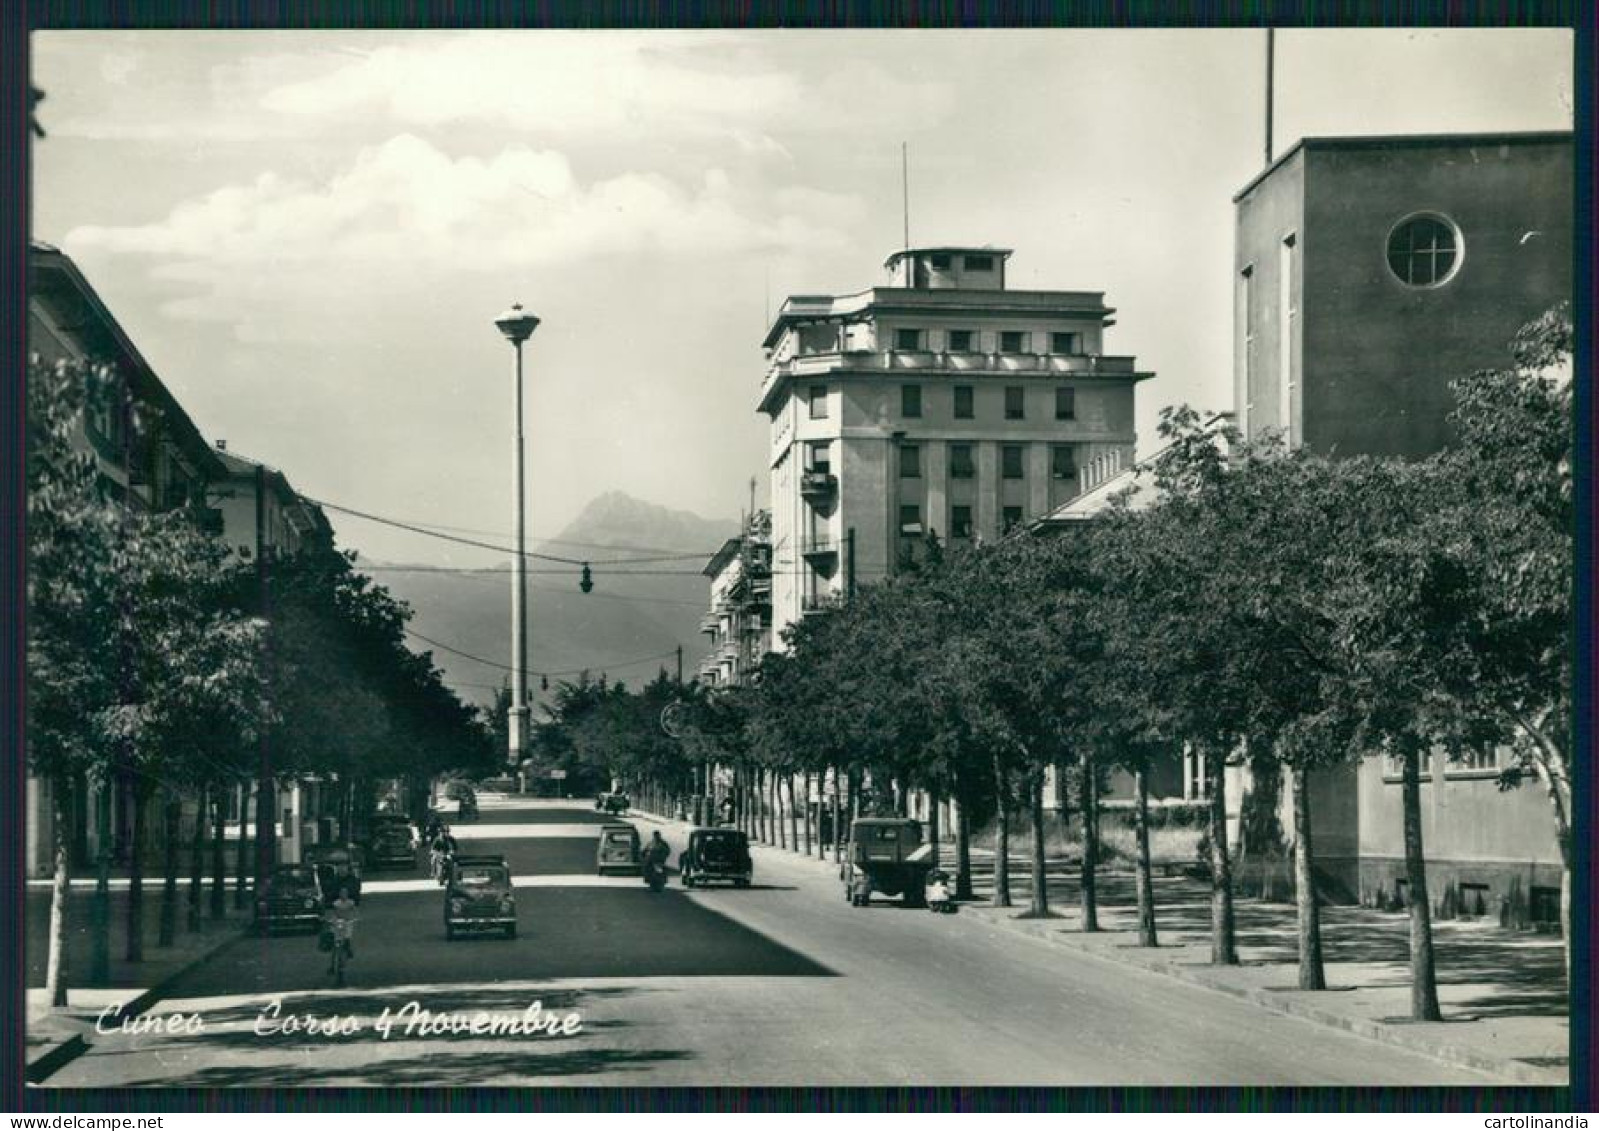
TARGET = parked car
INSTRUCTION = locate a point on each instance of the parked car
(614, 803)
(618, 850)
(716, 855)
(887, 854)
(478, 896)
(289, 899)
(389, 844)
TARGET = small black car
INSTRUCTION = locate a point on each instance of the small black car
(478, 896)
(716, 855)
(389, 844)
(288, 899)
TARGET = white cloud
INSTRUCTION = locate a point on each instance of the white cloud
(406, 207)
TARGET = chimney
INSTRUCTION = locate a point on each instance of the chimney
(222, 445)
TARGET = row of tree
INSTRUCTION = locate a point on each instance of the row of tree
(163, 668)
(1259, 605)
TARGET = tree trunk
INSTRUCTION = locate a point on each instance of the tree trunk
(219, 880)
(1088, 790)
(794, 818)
(135, 944)
(56, 968)
(1312, 975)
(1550, 762)
(838, 816)
(1423, 979)
(241, 858)
(1223, 945)
(197, 859)
(963, 852)
(1035, 797)
(173, 813)
(1145, 881)
(805, 788)
(100, 919)
(932, 826)
(1001, 897)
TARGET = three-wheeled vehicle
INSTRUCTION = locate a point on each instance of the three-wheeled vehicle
(389, 843)
(886, 854)
(478, 896)
(618, 850)
(716, 855)
(336, 866)
(288, 899)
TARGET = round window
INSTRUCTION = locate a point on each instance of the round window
(1424, 251)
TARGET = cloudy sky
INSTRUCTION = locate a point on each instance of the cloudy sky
(309, 234)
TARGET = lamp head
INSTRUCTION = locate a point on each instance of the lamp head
(517, 324)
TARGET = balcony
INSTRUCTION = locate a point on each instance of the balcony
(709, 622)
(818, 485)
(813, 603)
(819, 548)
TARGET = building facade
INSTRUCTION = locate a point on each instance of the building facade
(941, 405)
(1369, 273)
(739, 622)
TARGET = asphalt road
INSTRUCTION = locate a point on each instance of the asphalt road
(783, 983)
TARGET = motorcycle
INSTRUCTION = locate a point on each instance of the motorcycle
(655, 875)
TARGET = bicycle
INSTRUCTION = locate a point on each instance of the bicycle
(341, 953)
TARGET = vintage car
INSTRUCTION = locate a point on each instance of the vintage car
(289, 899)
(335, 865)
(478, 896)
(716, 855)
(886, 854)
(618, 851)
(614, 803)
(389, 844)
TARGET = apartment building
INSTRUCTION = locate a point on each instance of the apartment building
(739, 621)
(943, 404)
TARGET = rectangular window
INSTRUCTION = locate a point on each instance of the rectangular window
(960, 341)
(1286, 316)
(910, 461)
(1012, 341)
(960, 462)
(1244, 333)
(1393, 767)
(963, 402)
(910, 400)
(1015, 402)
(910, 518)
(1474, 900)
(1065, 343)
(821, 458)
(1473, 761)
(1010, 456)
(1063, 461)
(1011, 518)
(979, 263)
(940, 262)
(1065, 403)
(960, 522)
(906, 339)
(818, 402)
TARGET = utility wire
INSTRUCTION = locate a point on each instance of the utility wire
(567, 671)
(415, 529)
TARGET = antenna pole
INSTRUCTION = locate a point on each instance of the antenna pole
(905, 188)
(1270, 53)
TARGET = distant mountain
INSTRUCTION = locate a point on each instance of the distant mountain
(627, 616)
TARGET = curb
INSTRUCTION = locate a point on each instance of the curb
(59, 1056)
(1508, 1070)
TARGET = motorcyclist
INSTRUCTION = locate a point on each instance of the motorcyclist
(938, 892)
(443, 847)
(655, 855)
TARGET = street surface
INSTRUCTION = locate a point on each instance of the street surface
(781, 984)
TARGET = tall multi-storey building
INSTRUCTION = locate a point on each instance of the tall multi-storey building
(1368, 273)
(739, 622)
(941, 404)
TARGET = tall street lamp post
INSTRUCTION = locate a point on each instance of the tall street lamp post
(518, 325)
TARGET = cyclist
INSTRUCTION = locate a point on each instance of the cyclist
(339, 920)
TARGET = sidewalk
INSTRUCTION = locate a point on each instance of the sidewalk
(54, 1036)
(1503, 993)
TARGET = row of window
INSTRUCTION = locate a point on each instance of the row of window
(966, 341)
(1472, 760)
(910, 402)
(960, 520)
(1062, 461)
(941, 261)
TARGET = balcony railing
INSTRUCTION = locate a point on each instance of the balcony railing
(819, 548)
(807, 364)
(813, 603)
(818, 484)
